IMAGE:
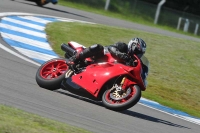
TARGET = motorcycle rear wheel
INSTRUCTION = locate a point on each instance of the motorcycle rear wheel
(51, 73)
(129, 98)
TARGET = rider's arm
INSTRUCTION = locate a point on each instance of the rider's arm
(118, 50)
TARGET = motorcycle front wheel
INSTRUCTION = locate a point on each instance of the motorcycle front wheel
(51, 73)
(114, 100)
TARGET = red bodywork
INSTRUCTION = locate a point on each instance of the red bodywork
(96, 75)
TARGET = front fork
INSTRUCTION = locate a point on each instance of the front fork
(124, 83)
(122, 86)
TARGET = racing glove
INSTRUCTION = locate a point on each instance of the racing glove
(125, 57)
(130, 63)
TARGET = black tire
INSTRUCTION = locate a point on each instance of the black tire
(51, 83)
(118, 105)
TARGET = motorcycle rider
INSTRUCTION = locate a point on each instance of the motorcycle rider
(119, 50)
(43, 2)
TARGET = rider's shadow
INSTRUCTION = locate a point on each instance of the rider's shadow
(53, 9)
(126, 112)
(150, 118)
(80, 97)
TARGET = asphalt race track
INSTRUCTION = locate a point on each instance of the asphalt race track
(19, 89)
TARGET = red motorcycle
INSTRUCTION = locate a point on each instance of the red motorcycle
(106, 79)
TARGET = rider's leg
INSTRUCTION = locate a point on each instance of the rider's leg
(88, 52)
(43, 1)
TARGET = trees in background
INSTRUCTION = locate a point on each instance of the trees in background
(189, 6)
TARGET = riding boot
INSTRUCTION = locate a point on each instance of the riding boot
(78, 56)
(72, 61)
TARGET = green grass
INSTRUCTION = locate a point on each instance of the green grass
(121, 13)
(13, 120)
(174, 63)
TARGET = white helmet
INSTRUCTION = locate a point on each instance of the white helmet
(136, 46)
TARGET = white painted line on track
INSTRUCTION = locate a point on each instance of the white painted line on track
(32, 14)
(37, 27)
(39, 44)
(39, 20)
(189, 119)
(18, 55)
(10, 51)
(38, 55)
(31, 32)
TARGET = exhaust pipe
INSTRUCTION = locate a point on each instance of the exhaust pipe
(69, 50)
